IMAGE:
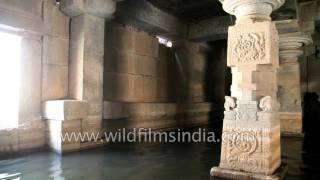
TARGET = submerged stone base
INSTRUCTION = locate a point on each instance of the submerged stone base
(217, 173)
(291, 122)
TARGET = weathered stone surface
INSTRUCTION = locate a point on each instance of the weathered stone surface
(124, 87)
(9, 141)
(124, 62)
(251, 128)
(56, 23)
(144, 15)
(146, 45)
(307, 26)
(86, 59)
(32, 136)
(55, 51)
(72, 7)
(289, 87)
(289, 80)
(220, 173)
(154, 115)
(34, 20)
(99, 8)
(211, 29)
(22, 15)
(57, 129)
(54, 82)
(64, 110)
(307, 11)
(149, 89)
(287, 26)
(291, 122)
(87, 62)
(30, 8)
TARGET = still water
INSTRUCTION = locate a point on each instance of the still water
(142, 161)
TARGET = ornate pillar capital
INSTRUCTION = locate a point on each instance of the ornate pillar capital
(98, 8)
(290, 46)
(241, 8)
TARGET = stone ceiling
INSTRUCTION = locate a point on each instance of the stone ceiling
(190, 10)
(197, 10)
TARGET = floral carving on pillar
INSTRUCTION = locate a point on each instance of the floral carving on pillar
(249, 47)
(242, 147)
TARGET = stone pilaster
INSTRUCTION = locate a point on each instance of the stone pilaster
(251, 128)
(290, 45)
(87, 31)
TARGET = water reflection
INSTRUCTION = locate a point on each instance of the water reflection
(139, 161)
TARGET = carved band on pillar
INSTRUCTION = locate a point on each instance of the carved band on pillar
(251, 128)
(289, 80)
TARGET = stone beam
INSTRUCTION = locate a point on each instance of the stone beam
(145, 16)
(287, 11)
(287, 26)
(211, 29)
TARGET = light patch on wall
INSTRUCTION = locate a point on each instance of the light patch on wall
(10, 48)
(165, 42)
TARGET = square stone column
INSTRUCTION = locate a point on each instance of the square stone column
(87, 33)
(289, 81)
(251, 129)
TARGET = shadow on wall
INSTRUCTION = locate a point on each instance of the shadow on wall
(311, 124)
(217, 79)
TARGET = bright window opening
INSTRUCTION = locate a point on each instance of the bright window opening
(10, 46)
(165, 42)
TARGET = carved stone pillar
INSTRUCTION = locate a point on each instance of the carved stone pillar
(87, 31)
(251, 128)
(289, 81)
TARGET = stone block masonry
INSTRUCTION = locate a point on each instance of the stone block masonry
(44, 51)
(136, 66)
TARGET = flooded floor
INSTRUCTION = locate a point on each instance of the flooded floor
(138, 162)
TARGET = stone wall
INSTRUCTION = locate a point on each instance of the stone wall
(136, 67)
(45, 37)
(149, 85)
(309, 65)
(141, 77)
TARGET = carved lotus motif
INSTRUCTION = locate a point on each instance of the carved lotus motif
(241, 145)
(245, 142)
(249, 47)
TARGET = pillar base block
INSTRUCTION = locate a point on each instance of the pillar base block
(218, 173)
(291, 122)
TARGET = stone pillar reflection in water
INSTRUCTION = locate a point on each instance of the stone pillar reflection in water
(289, 80)
(251, 128)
